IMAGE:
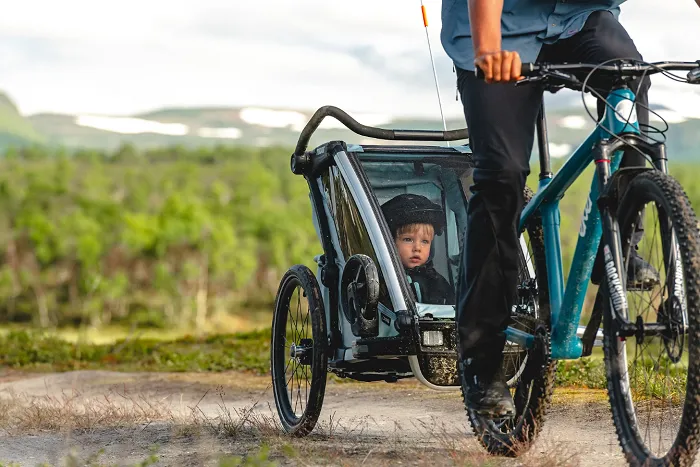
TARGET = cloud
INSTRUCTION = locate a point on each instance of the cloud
(79, 56)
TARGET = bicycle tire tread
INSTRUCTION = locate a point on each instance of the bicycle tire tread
(685, 224)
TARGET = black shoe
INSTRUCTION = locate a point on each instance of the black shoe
(485, 392)
(640, 274)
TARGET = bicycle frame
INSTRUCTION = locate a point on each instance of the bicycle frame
(566, 300)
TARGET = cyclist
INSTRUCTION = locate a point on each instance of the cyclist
(497, 36)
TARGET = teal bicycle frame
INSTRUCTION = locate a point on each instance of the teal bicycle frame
(566, 300)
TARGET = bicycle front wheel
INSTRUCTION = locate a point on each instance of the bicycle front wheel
(654, 377)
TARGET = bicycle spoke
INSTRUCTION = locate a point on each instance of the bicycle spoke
(649, 371)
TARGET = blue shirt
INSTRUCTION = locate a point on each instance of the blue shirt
(525, 25)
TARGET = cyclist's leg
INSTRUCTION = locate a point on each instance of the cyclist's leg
(604, 38)
(501, 121)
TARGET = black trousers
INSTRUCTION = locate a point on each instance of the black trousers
(501, 120)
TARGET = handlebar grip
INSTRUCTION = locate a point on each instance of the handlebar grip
(528, 69)
(694, 76)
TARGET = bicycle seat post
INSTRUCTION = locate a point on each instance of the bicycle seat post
(543, 144)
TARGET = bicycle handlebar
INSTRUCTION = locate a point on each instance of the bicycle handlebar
(624, 69)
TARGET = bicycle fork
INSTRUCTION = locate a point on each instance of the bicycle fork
(614, 278)
(613, 247)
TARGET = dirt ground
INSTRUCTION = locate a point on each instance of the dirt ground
(195, 418)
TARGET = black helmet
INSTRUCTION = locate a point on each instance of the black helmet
(412, 209)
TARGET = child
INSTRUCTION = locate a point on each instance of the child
(414, 221)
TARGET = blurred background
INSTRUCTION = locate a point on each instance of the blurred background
(144, 178)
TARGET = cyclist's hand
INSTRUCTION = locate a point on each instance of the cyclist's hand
(500, 67)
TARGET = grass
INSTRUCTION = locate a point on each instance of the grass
(649, 379)
(245, 351)
(250, 319)
(252, 436)
(248, 351)
(256, 459)
(33, 350)
(75, 412)
(587, 372)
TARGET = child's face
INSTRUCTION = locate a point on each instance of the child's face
(414, 245)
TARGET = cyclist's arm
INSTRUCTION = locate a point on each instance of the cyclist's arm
(485, 19)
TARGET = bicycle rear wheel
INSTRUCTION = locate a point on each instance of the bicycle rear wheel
(529, 372)
(654, 379)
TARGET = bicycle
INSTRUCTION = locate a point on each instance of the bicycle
(617, 201)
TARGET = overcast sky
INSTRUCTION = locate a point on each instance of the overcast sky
(128, 56)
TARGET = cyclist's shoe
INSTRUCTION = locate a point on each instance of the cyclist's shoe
(640, 274)
(485, 392)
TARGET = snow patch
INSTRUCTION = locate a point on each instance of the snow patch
(128, 125)
(668, 115)
(575, 122)
(273, 118)
(675, 104)
(685, 103)
(224, 133)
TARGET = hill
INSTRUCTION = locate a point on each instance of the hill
(15, 130)
(252, 126)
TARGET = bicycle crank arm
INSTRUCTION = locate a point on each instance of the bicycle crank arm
(522, 338)
(597, 342)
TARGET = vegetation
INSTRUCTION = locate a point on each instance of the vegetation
(165, 237)
(43, 351)
(159, 238)
(248, 351)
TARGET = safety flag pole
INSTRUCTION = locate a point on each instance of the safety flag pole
(432, 62)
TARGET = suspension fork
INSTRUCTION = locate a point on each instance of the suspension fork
(616, 279)
(612, 240)
(658, 157)
(670, 246)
